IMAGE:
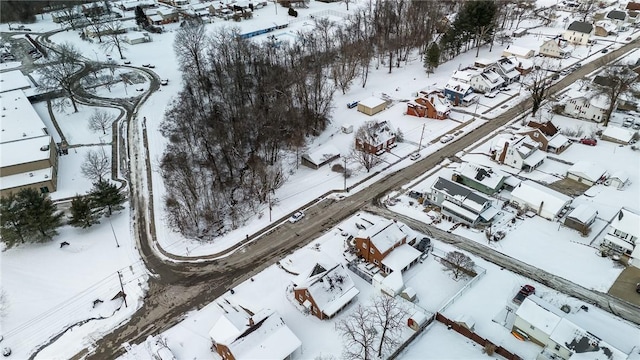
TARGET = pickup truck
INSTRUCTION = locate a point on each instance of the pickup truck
(525, 291)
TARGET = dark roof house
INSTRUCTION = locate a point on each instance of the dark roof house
(581, 26)
(617, 15)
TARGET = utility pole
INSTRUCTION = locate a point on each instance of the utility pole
(114, 232)
(124, 296)
(269, 199)
(421, 135)
(345, 173)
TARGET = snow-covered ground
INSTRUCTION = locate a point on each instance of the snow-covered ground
(61, 289)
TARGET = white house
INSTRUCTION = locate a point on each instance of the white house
(556, 48)
(623, 232)
(579, 32)
(545, 202)
(461, 202)
(587, 106)
(518, 51)
(619, 19)
(506, 68)
(585, 172)
(618, 134)
(487, 81)
(520, 152)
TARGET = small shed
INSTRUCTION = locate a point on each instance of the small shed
(519, 52)
(321, 156)
(617, 180)
(391, 284)
(416, 320)
(347, 128)
(466, 322)
(408, 294)
(519, 32)
(372, 105)
(585, 172)
(581, 218)
(618, 135)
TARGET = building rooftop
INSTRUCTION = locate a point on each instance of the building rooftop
(461, 194)
(25, 151)
(482, 174)
(587, 170)
(627, 221)
(330, 287)
(518, 50)
(372, 102)
(583, 213)
(13, 80)
(581, 26)
(536, 194)
(20, 120)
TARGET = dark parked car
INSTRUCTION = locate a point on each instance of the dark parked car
(525, 291)
(352, 104)
(591, 142)
(555, 77)
(638, 288)
(604, 51)
(424, 245)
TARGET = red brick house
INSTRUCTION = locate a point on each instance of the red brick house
(376, 138)
(238, 334)
(430, 105)
(324, 290)
(550, 143)
(377, 243)
(547, 127)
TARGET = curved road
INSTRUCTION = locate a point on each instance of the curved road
(180, 287)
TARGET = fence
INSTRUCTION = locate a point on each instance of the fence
(411, 338)
(353, 266)
(480, 271)
(476, 338)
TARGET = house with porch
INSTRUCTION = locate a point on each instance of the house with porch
(506, 68)
(239, 333)
(545, 202)
(619, 19)
(459, 93)
(461, 203)
(517, 151)
(579, 33)
(432, 105)
(377, 243)
(556, 48)
(480, 177)
(623, 233)
(586, 105)
(324, 290)
(378, 138)
(604, 28)
(487, 81)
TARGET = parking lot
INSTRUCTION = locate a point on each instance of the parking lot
(625, 285)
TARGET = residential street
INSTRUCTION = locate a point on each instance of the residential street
(181, 286)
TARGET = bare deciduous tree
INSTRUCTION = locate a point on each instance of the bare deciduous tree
(388, 316)
(96, 165)
(56, 72)
(100, 120)
(113, 36)
(366, 134)
(190, 45)
(458, 263)
(4, 303)
(537, 83)
(358, 334)
(616, 80)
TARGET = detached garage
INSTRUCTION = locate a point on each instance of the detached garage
(545, 202)
(372, 105)
(585, 172)
(323, 155)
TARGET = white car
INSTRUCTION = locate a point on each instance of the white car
(491, 95)
(446, 138)
(296, 217)
(415, 156)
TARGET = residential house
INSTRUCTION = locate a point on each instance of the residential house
(604, 28)
(372, 105)
(94, 9)
(459, 93)
(619, 19)
(519, 152)
(479, 177)
(618, 134)
(320, 157)
(618, 179)
(524, 66)
(545, 202)
(633, 17)
(240, 334)
(518, 51)
(553, 144)
(378, 138)
(28, 154)
(506, 68)
(377, 244)
(623, 232)
(134, 38)
(581, 218)
(432, 105)
(586, 172)
(465, 75)
(579, 32)
(585, 105)
(131, 5)
(174, 3)
(556, 48)
(633, 6)
(324, 290)
(461, 203)
(482, 63)
(547, 127)
(487, 81)
(579, 334)
(168, 15)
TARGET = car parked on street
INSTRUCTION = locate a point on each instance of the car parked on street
(627, 122)
(590, 142)
(415, 156)
(525, 291)
(446, 138)
(297, 216)
(491, 95)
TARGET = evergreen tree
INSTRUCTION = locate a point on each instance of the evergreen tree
(107, 196)
(41, 215)
(14, 225)
(432, 58)
(82, 212)
(141, 18)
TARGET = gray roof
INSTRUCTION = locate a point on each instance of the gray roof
(455, 189)
(617, 15)
(581, 26)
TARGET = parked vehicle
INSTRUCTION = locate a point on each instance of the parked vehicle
(525, 291)
(604, 51)
(415, 156)
(555, 77)
(424, 245)
(446, 138)
(299, 215)
(638, 288)
(352, 104)
(491, 95)
(627, 122)
(164, 82)
(590, 142)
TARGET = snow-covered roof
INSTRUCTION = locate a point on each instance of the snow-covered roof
(580, 341)
(620, 175)
(384, 234)
(606, 25)
(13, 80)
(599, 101)
(24, 151)
(380, 132)
(372, 102)
(401, 257)
(392, 281)
(540, 314)
(492, 77)
(534, 195)
(587, 170)
(471, 216)
(155, 18)
(20, 120)
(518, 51)
(465, 76)
(627, 221)
(534, 157)
(482, 174)
(618, 133)
(558, 140)
(165, 11)
(26, 178)
(583, 213)
(457, 86)
(232, 322)
(462, 194)
(330, 289)
(322, 154)
(136, 35)
(267, 338)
